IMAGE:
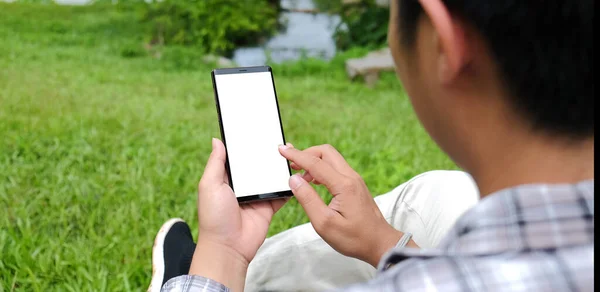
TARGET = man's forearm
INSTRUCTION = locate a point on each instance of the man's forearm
(219, 263)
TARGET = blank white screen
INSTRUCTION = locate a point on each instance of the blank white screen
(252, 133)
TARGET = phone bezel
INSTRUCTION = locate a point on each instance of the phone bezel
(243, 70)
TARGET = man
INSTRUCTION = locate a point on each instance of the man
(505, 88)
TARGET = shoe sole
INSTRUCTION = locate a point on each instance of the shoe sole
(158, 260)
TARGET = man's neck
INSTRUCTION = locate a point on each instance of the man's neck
(532, 160)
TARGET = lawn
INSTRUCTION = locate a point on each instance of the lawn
(100, 142)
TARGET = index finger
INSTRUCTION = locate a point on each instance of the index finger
(330, 155)
(319, 169)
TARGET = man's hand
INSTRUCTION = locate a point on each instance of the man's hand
(229, 234)
(352, 223)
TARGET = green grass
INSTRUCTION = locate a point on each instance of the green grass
(100, 143)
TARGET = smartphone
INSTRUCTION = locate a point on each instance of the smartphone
(252, 131)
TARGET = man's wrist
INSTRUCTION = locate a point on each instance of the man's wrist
(220, 263)
(387, 240)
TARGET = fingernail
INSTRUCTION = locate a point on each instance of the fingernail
(283, 147)
(295, 181)
(213, 141)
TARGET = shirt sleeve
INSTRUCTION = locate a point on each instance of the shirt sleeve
(192, 283)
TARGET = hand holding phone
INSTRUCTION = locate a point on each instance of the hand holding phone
(228, 233)
(251, 130)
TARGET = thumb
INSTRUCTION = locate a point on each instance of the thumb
(215, 167)
(308, 198)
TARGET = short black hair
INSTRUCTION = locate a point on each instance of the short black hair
(544, 51)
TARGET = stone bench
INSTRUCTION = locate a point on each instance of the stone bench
(370, 66)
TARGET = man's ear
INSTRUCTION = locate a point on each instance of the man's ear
(450, 35)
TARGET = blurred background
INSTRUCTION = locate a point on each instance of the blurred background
(107, 114)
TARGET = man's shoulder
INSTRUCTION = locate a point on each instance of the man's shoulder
(538, 237)
(561, 269)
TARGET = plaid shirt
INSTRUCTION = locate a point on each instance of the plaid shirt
(528, 238)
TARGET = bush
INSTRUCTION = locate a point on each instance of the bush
(363, 24)
(214, 26)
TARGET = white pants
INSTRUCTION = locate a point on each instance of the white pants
(299, 260)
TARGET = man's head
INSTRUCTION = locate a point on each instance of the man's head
(476, 70)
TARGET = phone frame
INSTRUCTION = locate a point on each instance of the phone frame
(243, 70)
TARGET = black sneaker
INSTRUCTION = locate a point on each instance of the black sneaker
(172, 253)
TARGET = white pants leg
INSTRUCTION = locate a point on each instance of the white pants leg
(299, 260)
